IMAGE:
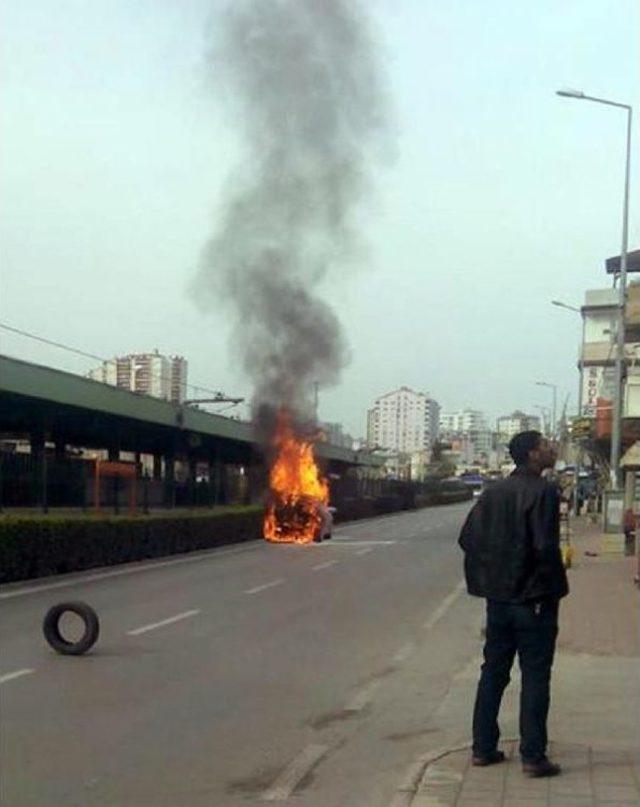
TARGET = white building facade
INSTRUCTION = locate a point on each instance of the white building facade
(404, 421)
(468, 428)
(516, 422)
(146, 373)
(463, 422)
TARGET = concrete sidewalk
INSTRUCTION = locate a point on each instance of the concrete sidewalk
(595, 713)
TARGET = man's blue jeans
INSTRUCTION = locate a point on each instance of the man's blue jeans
(529, 630)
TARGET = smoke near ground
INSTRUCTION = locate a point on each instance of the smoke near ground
(302, 81)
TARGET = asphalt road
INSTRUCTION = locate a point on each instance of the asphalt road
(259, 672)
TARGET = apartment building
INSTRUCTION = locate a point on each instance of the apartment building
(146, 373)
(404, 421)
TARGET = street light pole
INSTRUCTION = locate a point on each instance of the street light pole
(554, 389)
(580, 362)
(616, 429)
(545, 412)
(578, 452)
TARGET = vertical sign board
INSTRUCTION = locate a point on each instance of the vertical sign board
(591, 379)
(597, 382)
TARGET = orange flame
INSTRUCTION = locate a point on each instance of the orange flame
(297, 490)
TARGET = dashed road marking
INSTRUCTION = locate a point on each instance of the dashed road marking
(264, 586)
(169, 621)
(362, 698)
(364, 551)
(403, 654)
(444, 606)
(16, 674)
(323, 565)
(294, 773)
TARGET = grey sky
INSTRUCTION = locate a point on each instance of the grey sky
(499, 197)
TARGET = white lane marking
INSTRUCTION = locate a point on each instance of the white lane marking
(264, 586)
(16, 674)
(364, 551)
(362, 698)
(444, 606)
(362, 543)
(162, 623)
(403, 654)
(323, 565)
(294, 773)
(192, 558)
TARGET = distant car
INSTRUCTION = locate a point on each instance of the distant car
(473, 481)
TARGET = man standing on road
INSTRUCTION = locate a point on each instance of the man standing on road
(512, 559)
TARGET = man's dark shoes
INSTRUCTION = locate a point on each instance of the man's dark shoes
(540, 768)
(482, 760)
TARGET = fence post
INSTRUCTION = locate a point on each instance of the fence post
(216, 478)
(169, 480)
(44, 482)
(145, 493)
(115, 487)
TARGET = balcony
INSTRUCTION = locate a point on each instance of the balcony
(632, 313)
(604, 353)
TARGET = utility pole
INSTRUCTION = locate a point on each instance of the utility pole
(616, 428)
(554, 389)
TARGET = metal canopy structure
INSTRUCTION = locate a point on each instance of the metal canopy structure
(612, 265)
(66, 408)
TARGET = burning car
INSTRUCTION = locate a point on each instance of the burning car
(298, 506)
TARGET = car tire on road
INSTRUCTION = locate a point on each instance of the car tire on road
(51, 628)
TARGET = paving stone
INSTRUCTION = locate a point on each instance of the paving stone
(570, 792)
(616, 776)
(616, 793)
(455, 762)
(482, 788)
(422, 800)
(525, 803)
(441, 774)
(632, 803)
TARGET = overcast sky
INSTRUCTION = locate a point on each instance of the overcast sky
(497, 197)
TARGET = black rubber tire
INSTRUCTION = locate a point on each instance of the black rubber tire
(51, 628)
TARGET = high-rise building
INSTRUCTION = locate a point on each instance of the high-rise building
(404, 421)
(147, 373)
(468, 428)
(462, 422)
(510, 425)
(178, 374)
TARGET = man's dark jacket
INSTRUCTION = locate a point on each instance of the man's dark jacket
(511, 541)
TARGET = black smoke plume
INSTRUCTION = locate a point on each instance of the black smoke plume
(302, 82)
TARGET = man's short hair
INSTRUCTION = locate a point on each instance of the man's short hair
(522, 444)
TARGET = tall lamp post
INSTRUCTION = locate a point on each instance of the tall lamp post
(544, 411)
(554, 389)
(616, 429)
(577, 311)
(576, 464)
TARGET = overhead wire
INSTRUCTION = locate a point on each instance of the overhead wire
(86, 354)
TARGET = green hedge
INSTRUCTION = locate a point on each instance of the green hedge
(39, 546)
